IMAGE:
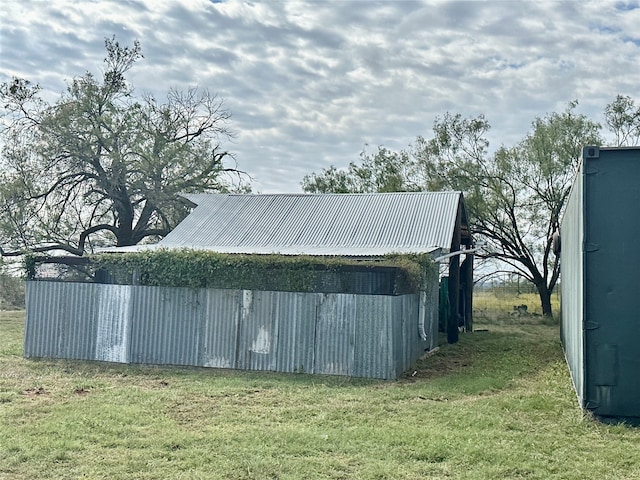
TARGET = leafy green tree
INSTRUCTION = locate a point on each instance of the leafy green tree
(102, 167)
(623, 119)
(516, 196)
(384, 171)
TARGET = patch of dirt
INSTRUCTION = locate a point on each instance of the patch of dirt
(35, 392)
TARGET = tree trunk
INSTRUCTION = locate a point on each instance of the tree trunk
(545, 300)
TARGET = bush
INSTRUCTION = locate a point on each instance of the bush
(11, 292)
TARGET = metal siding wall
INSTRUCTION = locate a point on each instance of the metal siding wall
(403, 318)
(369, 283)
(410, 343)
(432, 306)
(374, 335)
(419, 315)
(364, 283)
(80, 302)
(187, 308)
(146, 328)
(166, 325)
(335, 334)
(43, 314)
(572, 285)
(60, 320)
(219, 339)
(342, 334)
(113, 323)
(296, 317)
(258, 331)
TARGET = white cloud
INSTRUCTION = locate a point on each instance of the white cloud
(309, 83)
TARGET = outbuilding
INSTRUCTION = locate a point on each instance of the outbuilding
(359, 323)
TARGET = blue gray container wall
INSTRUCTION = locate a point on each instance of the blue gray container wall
(373, 336)
(600, 289)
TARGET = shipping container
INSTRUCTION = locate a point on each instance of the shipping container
(600, 291)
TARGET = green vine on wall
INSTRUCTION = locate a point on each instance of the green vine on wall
(205, 269)
(30, 264)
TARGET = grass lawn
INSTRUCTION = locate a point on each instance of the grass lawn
(498, 404)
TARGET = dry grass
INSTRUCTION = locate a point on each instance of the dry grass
(495, 304)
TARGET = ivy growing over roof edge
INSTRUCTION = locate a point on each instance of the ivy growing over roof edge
(394, 274)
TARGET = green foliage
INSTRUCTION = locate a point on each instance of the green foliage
(419, 268)
(203, 269)
(11, 289)
(623, 119)
(385, 171)
(29, 264)
(515, 197)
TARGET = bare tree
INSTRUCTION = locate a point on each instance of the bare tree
(101, 167)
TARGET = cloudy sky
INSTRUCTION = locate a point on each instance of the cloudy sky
(309, 84)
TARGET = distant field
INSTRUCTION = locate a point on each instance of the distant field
(493, 303)
(496, 405)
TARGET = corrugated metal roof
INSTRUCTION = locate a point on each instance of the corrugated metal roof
(325, 224)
